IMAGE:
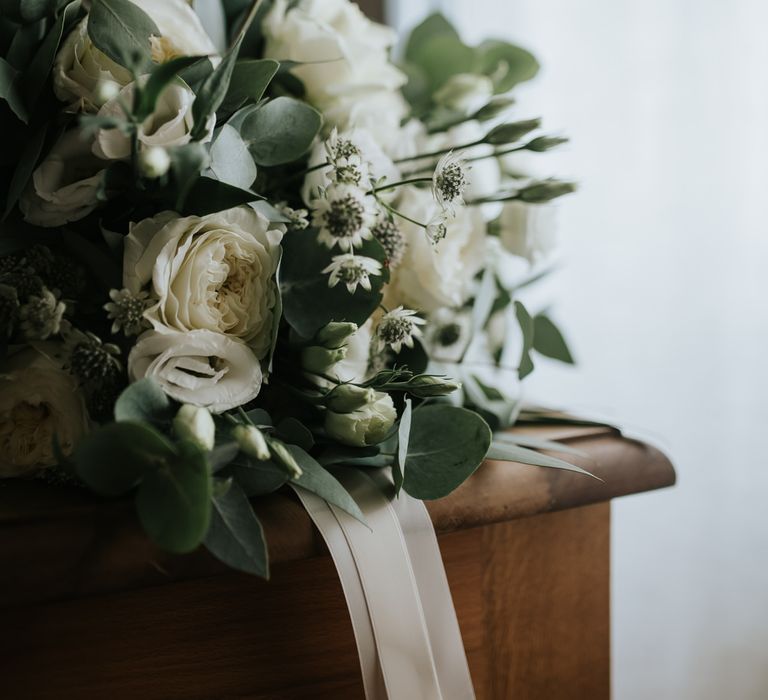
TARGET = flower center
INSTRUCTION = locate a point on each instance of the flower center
(344, 217)
(451, 181)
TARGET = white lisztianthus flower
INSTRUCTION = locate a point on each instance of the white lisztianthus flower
(397, 328)
(344, 216)
(352, 270)
(367, 425)
(449, 181)
(126, 311)
(195, 423)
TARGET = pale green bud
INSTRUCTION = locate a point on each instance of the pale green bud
(285, 458)
(348, 397)
(497, 106)
(544, 191)
(544, 143)
(368, 425)
(251, 441)
(335, 334)
(195, 423)
(511, 132)
(154, 162)
(425, 386)
(319, 360)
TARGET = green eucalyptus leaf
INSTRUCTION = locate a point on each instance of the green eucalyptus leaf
(446, 445)
(231, 162)
(121, 30)
(433, 26)
(527, 328)
(158, 80)
(293, 431)
(318, 480)
(403, 439)
(549, 341)
(444, 56)
(143, 402)
(254, 476)
(187, 162)
(250, 78)
(514, 453)
(506, 63)
(212, 92)
(207, 196)
(113, 459)
(235, 535)
(308, 302)
(281, 131)
(537, 443)
(10, 92)
(174, 501)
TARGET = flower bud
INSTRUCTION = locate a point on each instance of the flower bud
(154, 162)
(544, 143)
(251, 441)
(335, 334)
(105, 91)
(319, 360)
(194, 423)
(544, 191)
(346, 398)
(495, 107)
(425, 386)
(368, 425)
(513, 131)
(285, 458)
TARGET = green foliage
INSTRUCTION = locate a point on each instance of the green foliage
(235, 535)
(160, 77)
(446, 445)
(308, 302)
(281, 131)
(509, 64)
(508, 452)
(10, 91)
(527, 328)
(549, 341)
(250, 78)
(403, 439)
(121, 30)
(254, 476)
(230, 160)
(143, 402)
(207, 196)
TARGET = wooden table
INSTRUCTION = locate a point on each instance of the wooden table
(89, 608)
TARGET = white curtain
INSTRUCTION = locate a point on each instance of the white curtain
(664, 294)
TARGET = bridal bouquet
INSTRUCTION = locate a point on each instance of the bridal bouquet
(242, 247)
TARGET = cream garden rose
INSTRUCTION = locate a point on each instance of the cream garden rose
(64, 187)
(214, 272)
(80, 67)
(199, 367)
(38, 400)
(434, 276)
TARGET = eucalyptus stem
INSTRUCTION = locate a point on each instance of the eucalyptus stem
(246, 23)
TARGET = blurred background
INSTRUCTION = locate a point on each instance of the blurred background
(662, 291)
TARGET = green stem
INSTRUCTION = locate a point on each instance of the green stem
(247, 21)
(391, 186)
(400, 214)
(440, 152)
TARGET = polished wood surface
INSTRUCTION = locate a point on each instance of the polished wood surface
(63, 543)
(531, 596)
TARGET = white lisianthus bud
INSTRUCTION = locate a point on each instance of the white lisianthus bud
(426, 386)
(195, 423)
(335, 334)
(368, 425)
(346, 398)
(105, 91)
(285, 458)
(318, 360)
(154, 162)
(251, 441)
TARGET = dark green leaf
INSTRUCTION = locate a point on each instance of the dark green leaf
(212, 91)
(174, 501)
(442, 57)
(250, 79)
(256, 477)
(446, 445)
(514, 453)
(536, 443)
(281, 131)
(235, 535)
(113, 459)
(207, 196)
(403, 438)
(308, 302)
(187, 162)
(527, 328)
(143, 402)
(121, 30)
(9, 90)
(511, 63)
(295, 432)
(433, 26)
(549, 341)
(158, 80)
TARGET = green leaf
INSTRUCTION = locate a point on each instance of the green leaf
(187, 162)
(514, 453)
(158, 80)
(121, 30)
(403, 438)
(235, 535)
(9, 90)
(527, 328)
(143, 402)
(281, 131)
(256, 477)
(433, 26)
(295, 432)
(113, 458)
(250, 78)
(510, 63)
(319, 481)
(444, 56)
(231, 162)
(549, 341)
(212, 92)
(174, 501)
(207, 196)
(537, 443)
(308, 302)
(447, 444)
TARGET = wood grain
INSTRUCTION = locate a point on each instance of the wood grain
(531, 597)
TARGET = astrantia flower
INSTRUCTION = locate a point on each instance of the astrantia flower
(126, 311)
(388, 233)
(297, 217)
(88, 358)
(41, 316)
(344, 216)
(346, 159)
(436, 229)
(352, 270)
(450, 181)
(397, 328)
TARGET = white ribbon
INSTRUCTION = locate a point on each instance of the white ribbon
(393, 578)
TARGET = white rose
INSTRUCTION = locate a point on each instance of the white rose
(433, 276)
(80, 66)
(199, 367)
(169, 125)
(65, 185)
(38, 400)
(377, 162)
(528, 230)
(346, 54)
(214, 272)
